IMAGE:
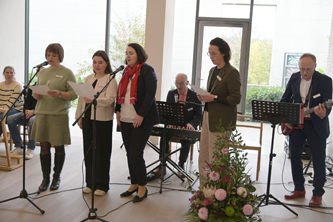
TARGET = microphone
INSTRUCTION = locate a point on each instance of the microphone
(117, 70)
(176, 98)
(42, 64)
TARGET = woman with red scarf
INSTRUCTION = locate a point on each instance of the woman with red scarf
(136, 114)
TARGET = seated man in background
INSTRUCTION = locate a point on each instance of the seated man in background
(17, 119)
(193, 118)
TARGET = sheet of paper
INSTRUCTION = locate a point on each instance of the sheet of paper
(199, 90)
(42, 89)
(84, 90)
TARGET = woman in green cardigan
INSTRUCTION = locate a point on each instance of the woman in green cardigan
(51, 121)
(221, 104)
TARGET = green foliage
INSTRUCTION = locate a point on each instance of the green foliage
(34, 79)
(130, 29)
(273, 93)
(260, 62)
(225, 193)
(323, 71)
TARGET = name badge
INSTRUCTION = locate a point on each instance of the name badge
(189, 109)
(58, 76)
(316, 96)
(219, 78)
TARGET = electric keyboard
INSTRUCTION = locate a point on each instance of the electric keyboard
(180, 134)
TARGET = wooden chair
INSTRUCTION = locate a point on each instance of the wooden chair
(21, 132)
(8, 155)
(251, 146)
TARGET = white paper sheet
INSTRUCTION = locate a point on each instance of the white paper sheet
(42, 89)
(84, 90)
(199, 90)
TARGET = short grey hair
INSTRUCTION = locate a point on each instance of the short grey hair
(183, 74)
(313, 57)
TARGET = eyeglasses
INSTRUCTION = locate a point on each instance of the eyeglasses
(212, 54)
(305, 70)
(179, 83)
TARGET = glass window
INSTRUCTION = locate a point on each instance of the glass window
(78, 26)
(225, 9)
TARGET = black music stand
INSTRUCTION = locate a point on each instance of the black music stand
(170, 114)
(275, 112)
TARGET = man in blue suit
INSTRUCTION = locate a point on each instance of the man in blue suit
(312, 89)
(193, 117)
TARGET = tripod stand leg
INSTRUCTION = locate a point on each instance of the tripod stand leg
(41, 211)
(283, 205)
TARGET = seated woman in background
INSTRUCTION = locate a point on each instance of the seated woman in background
(9, 91)
(104, 122)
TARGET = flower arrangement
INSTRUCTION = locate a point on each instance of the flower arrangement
(225, 193)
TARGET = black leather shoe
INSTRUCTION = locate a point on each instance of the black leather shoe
(127, 193)
(44, 185)
(139, 199)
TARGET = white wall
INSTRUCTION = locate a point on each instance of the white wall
(301, 26)
(12, 37)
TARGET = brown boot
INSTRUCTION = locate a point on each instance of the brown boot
(158, 172)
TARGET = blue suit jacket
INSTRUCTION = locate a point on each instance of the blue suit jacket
(321, 89)
(193, 112)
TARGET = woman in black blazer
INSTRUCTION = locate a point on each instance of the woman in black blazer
(136, 114)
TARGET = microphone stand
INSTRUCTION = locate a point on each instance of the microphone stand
(23, 194)
(92, 211)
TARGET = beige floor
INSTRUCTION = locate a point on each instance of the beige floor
(67, 204)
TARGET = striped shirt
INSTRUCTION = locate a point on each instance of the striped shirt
(8, 95)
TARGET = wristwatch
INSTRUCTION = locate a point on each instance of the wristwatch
(215, 98)
(59, 94)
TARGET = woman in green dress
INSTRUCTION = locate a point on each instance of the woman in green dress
(51, 121)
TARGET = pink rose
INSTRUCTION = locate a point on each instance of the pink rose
(214, 176)
(206, 173)
(203, 213)
(220, 194)
(241, 191)
(247, 209)
(225, 150)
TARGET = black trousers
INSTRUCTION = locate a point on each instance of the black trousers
(183, 153)
(135, 140)
(102, 152)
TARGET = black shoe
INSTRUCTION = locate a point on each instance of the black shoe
(44, 185)
(127, 193)
(152, 177)
(55, 183)
(139, 199)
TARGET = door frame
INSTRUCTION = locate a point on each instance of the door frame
(246, 24)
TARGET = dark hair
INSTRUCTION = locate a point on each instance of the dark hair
(313, 57)
(223, 48)
(142, 55)
(55, 48)
(8, 67)
(105, 57)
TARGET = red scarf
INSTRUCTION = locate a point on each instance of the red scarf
(132, 73)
